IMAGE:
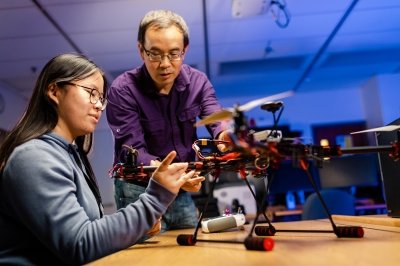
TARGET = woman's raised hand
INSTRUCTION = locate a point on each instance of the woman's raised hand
(172, 176)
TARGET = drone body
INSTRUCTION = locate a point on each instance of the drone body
(256, 153)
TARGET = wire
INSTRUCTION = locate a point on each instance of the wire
(280, 13)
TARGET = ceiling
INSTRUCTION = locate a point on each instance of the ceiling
(325, 45)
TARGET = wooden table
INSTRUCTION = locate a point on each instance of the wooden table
(379, 246)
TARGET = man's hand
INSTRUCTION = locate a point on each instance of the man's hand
(155, 163)
(224, 136)
(172, 176)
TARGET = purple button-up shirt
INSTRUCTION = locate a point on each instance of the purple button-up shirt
(155, 124)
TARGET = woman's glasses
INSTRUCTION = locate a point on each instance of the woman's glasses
(94, 95)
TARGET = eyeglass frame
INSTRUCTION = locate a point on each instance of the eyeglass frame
(92, 98)
(150, 55)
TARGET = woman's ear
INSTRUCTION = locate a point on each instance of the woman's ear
(53, 92)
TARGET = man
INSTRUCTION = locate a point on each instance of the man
(153, 109)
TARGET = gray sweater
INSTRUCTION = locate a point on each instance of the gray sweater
(49, 215)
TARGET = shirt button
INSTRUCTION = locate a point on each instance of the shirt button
(118, 130)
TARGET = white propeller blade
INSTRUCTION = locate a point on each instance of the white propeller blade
(228, 113)
(379, 129)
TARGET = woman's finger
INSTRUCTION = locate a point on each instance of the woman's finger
(167, 161)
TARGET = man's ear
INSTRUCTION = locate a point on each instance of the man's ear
(53, 92)
(141, 50)
(185, 50)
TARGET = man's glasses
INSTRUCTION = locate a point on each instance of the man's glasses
(155, 57)
(94, 95)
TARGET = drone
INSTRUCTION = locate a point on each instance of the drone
(258, 154)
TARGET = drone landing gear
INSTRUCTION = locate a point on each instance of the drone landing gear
(251, 243)
(267, 244)
(339, 231)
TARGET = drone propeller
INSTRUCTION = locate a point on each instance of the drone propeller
(379, 129)
(229, 113)
(218, 116)
(250, 105)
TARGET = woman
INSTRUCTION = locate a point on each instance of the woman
(50, 205)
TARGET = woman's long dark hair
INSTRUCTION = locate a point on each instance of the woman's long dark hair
(41, 114)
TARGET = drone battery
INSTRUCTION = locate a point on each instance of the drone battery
(222, 223)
